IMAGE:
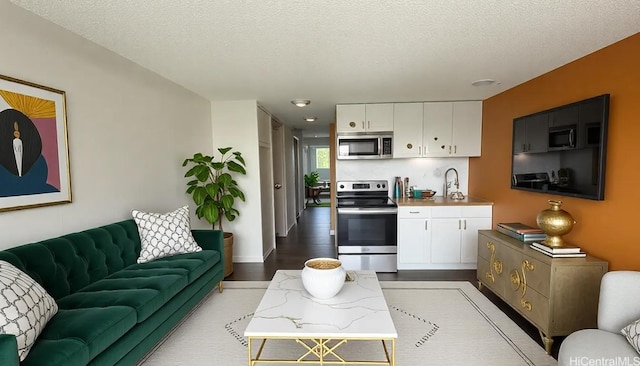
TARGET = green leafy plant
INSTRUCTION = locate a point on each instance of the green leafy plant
(311, 179)
(213, 188)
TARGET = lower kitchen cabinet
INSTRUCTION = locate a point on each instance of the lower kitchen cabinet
(557, 295)
(440, 237)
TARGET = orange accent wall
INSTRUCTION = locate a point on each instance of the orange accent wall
(608, 229)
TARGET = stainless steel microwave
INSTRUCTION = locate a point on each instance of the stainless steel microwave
(365, 146)
(562, 137)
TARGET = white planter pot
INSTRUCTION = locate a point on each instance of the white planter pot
(323, 278)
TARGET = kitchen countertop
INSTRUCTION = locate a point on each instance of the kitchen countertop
(441, 201)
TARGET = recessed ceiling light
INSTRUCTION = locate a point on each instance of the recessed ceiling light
(483, 82)
(301, 102)
(310, 119)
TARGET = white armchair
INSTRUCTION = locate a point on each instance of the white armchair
(618, 306)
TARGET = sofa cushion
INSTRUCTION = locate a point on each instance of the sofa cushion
(59, 352)
(96, 327)
(193, 264)
(163, 235)
(25, 307)
(167, 285)
(144, 301)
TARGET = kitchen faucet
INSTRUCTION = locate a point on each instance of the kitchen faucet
(455, 195)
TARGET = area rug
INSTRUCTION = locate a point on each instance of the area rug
(321, 204)
(438, 323)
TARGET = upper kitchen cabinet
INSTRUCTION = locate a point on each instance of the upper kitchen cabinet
(565, 116)
(364, 117)
(530, 134)
(452, 129)
(467, 128)
(407, 133)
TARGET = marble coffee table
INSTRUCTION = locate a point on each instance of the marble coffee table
(320, 327)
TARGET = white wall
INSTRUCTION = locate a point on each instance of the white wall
(235, 124)
(129, 129)
(426, 173)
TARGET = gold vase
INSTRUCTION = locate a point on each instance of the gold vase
(555, 222)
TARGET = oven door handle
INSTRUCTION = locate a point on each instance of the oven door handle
(367, 211)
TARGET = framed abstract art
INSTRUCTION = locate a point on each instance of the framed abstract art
(34, 151)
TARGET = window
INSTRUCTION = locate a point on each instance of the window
(322, 158)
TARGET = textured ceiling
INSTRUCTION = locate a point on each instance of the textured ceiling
(337, 51)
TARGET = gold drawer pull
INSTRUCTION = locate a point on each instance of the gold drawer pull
(490, 277)
(497, 266)
(515, 280)
(526, 304)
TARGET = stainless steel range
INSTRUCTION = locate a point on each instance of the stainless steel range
(367, 226)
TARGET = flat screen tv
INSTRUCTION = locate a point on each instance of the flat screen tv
(563, 150)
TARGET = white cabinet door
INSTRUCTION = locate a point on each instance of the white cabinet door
(445, 240)
(407, 130)
(467, 128)
(474, 218)
(350, 118)
(413, 242)
(469, 243)
(438, 118)
(379, 117)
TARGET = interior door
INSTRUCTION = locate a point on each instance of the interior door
(279, 179)
(266, 179)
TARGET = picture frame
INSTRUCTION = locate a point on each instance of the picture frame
(34, 149)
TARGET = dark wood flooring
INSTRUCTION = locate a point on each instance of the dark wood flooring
(310, 238)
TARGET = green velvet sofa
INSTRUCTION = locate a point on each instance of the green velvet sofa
(112, 310)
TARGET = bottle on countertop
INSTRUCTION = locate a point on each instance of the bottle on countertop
(407, 189)
(397, 188)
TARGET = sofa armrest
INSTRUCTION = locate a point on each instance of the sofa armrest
(209, 239)
(619, 299)
(8, 350)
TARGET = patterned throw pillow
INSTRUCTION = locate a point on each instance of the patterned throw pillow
(25, 307)
(632, 332)
(162, 235)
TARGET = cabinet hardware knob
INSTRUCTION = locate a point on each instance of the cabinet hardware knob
(419, 150)
(352, 124)
(526, 304)
(449, 149)
(459, 224)
(465, 224)
(409, 146)
(426, 224)
(455, 149)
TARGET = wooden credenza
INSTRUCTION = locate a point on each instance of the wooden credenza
(557, 295)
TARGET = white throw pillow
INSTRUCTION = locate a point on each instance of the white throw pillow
(25, 307)
(162, 235)
(632, 332)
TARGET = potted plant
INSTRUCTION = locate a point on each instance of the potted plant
(311, 182)
(311, 179)
(214, 191)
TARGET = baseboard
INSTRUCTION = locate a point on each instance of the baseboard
(264, 257)
(246, 259)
